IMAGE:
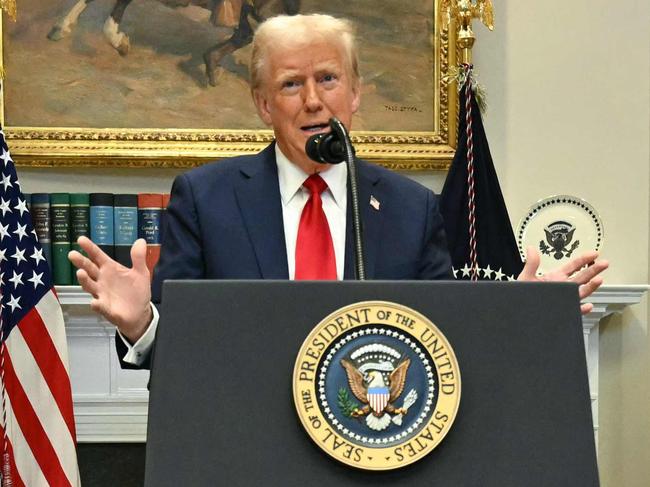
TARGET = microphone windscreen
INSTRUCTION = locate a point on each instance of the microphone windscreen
(325, 148)
(312, 148)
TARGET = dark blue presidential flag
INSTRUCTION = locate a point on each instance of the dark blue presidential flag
(481, 241)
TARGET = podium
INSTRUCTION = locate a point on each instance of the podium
(222, 412)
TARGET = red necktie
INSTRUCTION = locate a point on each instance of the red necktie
(315, 258)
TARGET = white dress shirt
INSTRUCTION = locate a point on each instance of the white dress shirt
(294, 198)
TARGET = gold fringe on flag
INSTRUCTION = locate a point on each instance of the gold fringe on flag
(455, 74)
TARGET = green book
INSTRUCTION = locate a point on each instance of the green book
(79, 223)
(60, 221)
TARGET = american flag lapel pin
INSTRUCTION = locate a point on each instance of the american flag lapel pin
(374, 202)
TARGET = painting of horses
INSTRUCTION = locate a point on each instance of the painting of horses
(164, 83)
(139, 64)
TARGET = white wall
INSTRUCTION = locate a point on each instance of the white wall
(569, 112)
(569, 97)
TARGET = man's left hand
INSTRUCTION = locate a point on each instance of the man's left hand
(588, 278)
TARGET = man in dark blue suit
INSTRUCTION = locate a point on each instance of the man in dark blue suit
(242, 225)
(242, 218)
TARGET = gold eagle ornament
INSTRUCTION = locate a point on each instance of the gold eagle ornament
(465, 11)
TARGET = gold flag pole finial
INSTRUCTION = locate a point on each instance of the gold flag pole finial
(463, 12)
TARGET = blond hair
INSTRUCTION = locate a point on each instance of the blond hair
(296, 31)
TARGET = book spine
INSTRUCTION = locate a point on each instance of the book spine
(60, 222)
(125, 226)
(149, 213)
(101, 222)
(163, 216)
(79, 223)
(41, 220)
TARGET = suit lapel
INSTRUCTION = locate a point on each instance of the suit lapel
(371, 220)
(258, 197)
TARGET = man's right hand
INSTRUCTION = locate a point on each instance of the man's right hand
(120, 294)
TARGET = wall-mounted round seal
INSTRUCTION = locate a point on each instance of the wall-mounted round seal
(561, 228)
(376, 385)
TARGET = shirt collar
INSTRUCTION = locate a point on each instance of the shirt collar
(291, 177)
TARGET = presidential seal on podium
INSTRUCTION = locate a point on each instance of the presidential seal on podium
(376, 385)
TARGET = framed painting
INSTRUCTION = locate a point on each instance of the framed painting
(163, 82)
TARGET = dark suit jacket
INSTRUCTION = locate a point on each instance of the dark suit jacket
(224, 221)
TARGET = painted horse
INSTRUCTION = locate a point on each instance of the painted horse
(241, 36)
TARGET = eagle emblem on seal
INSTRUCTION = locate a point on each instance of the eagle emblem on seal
(376, 376)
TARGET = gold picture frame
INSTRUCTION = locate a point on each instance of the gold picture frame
(76, 146)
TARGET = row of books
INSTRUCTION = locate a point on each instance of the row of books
(112, 221)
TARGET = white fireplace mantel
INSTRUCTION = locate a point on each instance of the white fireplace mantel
(110, 404)
(607, 300)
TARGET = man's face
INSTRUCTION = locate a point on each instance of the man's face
(301, 90)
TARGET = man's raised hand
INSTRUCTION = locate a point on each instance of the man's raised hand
(120, 294)
(589, 278)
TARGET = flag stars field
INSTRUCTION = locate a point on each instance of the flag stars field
(486, 272)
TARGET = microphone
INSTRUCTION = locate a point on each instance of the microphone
(326, 148)
(333, 148)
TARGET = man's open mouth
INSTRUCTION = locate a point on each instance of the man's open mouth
(316, 128)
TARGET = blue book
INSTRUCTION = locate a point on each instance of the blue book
(101, 222)
(125, 217)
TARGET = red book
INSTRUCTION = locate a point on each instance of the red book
(150, 206)
(165, 204)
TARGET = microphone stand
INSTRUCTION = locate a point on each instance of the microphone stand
(339, 129)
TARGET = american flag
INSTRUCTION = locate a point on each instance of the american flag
(37, 430)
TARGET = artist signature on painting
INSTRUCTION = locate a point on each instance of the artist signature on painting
(402, 108)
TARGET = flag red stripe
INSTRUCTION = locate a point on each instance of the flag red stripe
(39, 342)
(15, 476)
(32, 429)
